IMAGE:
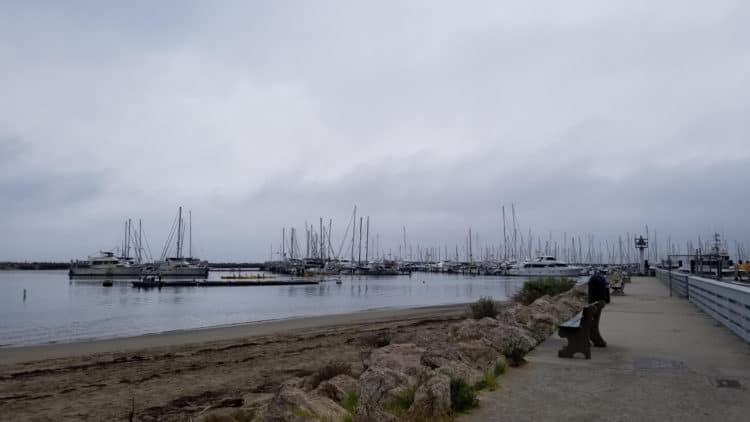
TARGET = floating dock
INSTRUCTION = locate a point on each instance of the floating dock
(192, 283)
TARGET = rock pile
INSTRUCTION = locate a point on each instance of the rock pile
(410, 378)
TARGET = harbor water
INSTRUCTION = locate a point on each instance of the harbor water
(38, 307)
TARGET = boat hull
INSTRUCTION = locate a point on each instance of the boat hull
(105, 271)
(547, 272)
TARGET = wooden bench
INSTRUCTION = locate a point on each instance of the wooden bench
(618, 287)
(581, 331)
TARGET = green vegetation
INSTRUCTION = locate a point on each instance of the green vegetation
(463, 397)
(488, 382)
(330, 370)
(402, 402)
(499, 368)
(536, 288)
(351, 401)
(484, 307)
(305, 414)
(347, 418)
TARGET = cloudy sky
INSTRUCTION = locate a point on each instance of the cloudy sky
(589, 116)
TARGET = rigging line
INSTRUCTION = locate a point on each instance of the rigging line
(341, 246)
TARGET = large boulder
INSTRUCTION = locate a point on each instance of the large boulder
(471, 329)
(337, 387)
(293, 404)
(542, 325)
(372, 413)
(376, 383)
(432, 400)
(571, 305)
(461, 370)
(479, 353)
(405, 357)
(546, 305)
(441, 354)
(511, 340)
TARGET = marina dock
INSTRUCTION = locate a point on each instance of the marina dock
(213, 283)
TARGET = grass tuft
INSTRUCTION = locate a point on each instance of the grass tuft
(463, 397)
(488, 382)
(351, 401)
(401, 402)
(499, 368)
(536, 288)
(484, 307)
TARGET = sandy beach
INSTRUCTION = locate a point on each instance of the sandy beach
(168, 376)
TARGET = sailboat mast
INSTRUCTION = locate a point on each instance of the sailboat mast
(354, 230)
(367, 241)
(359, 255)
(140, 241)
(505, 238)
(179, 233)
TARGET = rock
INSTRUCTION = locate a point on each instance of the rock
(405, 357)
(293, 404)
(372, 413)
(471, 329)
(542, 325)
(571, 305)
(432, 400)
(218, 417)
(337, 387)
(376, 382)
(479, 353)
(440, 354)
(511, 340)
(461, 370)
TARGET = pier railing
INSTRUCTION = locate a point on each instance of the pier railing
(726, 302)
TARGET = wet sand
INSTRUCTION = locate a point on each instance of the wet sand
(11, 355)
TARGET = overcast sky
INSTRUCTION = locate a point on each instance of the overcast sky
(589, 116)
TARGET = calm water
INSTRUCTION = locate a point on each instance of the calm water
(59, 310)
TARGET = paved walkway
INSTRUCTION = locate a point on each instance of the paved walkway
(665, 361)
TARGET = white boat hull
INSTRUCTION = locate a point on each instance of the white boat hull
(105, 271)
(547, 272)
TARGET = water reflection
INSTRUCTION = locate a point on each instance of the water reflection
(56, 309)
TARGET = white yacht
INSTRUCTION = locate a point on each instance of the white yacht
(545, 266)
(105, 264)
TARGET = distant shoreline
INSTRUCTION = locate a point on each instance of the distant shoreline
(51, 265)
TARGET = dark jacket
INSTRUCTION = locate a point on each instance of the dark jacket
(598, 289)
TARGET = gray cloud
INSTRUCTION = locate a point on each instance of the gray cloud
(590, 117)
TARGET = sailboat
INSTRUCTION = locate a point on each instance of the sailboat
(179, 265)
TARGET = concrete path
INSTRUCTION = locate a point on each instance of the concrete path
(665, 361)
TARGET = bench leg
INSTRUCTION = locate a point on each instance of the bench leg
(577, 342)
(596, 336)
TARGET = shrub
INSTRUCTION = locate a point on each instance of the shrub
(351, 401)
(484, 307)
(488, 382)
(536, 288)
(329, 371)
(401, 402)
(499, 368)
(463, 397)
